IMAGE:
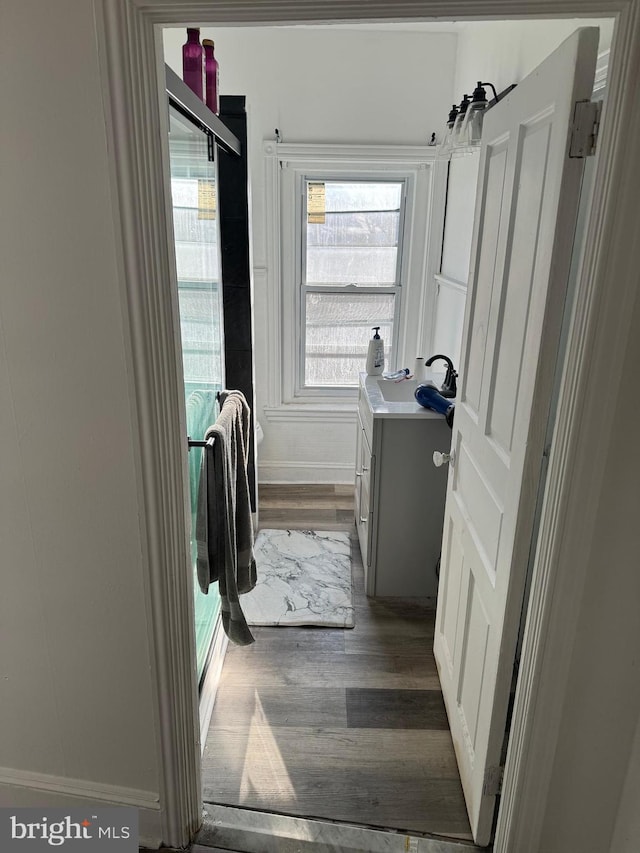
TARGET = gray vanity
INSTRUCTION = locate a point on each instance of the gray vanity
(400, 494)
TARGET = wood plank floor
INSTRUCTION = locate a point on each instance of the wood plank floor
(336, 724)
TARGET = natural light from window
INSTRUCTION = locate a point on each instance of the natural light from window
(350, 275)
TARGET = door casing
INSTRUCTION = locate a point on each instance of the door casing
(130, 51)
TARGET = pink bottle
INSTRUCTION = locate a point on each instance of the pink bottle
(192, 62)
(211, 76)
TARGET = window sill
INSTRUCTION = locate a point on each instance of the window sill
(316, 412)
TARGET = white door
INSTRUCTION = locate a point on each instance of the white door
(526, 206)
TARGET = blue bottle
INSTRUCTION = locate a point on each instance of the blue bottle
(429, 397)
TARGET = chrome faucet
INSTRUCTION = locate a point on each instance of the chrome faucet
(449, 387)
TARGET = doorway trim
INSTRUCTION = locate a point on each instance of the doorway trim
(129, 42)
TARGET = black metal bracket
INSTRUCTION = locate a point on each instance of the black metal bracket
(193, 443)
(500, 96)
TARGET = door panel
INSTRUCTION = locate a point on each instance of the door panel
(363, 491)
(513, 318)
(493, 189)
(474, 658)
(449, 597)
(477, 504)
(526, 208)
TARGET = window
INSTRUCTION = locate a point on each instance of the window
(348, 229)
(350, 271)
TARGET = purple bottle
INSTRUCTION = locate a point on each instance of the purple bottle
(192, 61)
(210, 76)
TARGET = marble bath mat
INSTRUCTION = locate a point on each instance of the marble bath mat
(304, 578)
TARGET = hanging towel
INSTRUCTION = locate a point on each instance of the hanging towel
(224, 530)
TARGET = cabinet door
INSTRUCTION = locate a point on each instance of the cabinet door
(358, 472)
(364, 464)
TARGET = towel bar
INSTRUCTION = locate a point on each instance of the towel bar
(192, 442)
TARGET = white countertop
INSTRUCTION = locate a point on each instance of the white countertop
(381, 408)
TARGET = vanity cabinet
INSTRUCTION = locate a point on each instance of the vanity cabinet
(399, 497)
(364, 466)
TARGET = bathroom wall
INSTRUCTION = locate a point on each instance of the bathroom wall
(334, 85)
(363, 84)
(502, 52)
(594, 790)
(76, 704)
(627, 823)
(77, 708)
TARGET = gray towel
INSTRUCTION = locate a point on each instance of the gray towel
(224, 531)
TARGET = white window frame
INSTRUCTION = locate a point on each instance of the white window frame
(287, 165)
(302, 288)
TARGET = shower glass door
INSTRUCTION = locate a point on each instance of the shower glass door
(195, 224)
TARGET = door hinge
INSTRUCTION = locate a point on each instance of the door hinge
(492, 783)
(585, 127)
(211, 150)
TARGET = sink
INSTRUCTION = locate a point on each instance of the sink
(398, 392)
(384, 398)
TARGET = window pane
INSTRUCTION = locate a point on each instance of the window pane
(195, 231)
(354, 238)
(338, 331)
(201, 333)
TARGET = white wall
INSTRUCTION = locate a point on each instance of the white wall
(593, 797)
(627, 826)
(76, 705)
(328, 84)
(503, 52)
(500, 52)
(322, 84)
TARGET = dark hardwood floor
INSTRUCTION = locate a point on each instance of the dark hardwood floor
(344, 725)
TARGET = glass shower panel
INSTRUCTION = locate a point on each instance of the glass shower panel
(195, 224)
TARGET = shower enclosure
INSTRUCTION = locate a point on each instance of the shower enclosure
(196, 225)
(209, 193)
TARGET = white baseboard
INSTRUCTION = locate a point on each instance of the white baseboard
(281, 471)
(21, 788)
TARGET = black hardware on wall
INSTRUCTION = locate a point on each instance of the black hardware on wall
(233, 206)
(192, 442)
